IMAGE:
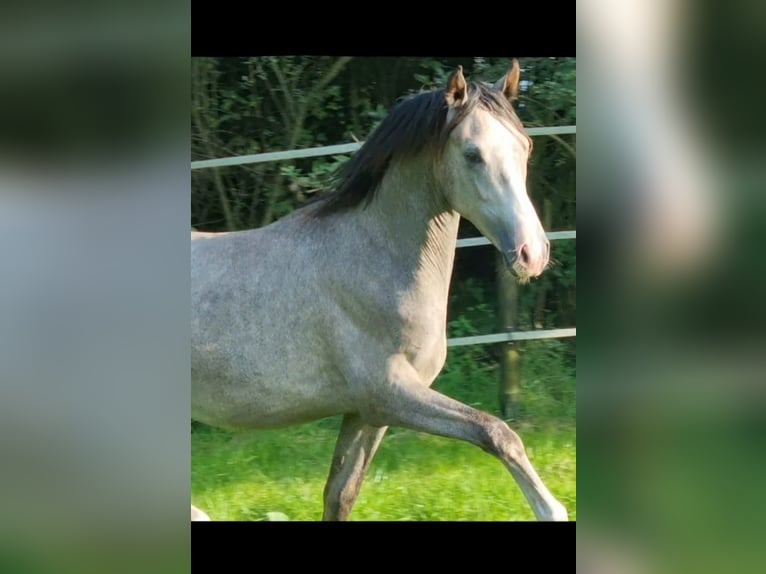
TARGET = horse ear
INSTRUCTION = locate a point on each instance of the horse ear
(456, 92)
(509, 84)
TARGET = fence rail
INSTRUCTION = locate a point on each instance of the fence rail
(333, 150)
(512, 336)
(476, 241)
(467, 242)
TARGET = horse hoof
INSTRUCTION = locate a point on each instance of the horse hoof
(198, 516)
(559, 514)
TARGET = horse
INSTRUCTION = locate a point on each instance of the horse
(340, 308)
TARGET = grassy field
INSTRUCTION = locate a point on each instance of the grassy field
(413, 477)
(245, 475)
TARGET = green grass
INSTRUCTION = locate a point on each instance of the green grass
(414, 476)
(242, 476)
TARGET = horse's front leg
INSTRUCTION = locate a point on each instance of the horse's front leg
(403, 400)
(356, 445)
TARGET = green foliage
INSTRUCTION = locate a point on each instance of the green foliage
(471, 373)
(314, 179)
(248, 105)
(548, 380)
(556, 288)
(434, 73)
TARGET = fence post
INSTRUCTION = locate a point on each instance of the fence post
(510, 367)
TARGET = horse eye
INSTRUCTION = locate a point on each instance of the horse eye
(473, 156)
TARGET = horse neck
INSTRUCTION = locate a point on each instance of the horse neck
(410, 215)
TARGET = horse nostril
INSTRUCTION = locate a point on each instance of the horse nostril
(524, 256)
(547, 249)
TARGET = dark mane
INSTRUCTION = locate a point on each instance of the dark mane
(413, 125)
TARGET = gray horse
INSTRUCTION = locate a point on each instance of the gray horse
(341, 307)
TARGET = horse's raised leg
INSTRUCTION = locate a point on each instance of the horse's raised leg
(409, 403)
(356, 445)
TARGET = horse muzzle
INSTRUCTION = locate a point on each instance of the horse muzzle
(524, 263)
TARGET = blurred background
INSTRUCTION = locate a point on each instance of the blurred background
(94, 283)
(671, 362)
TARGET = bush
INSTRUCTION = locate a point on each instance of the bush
(472, 373)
